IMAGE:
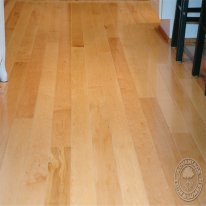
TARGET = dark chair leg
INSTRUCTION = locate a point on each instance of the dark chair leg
(199, 43)
(176, 25)
(181, 34)
(198, 51)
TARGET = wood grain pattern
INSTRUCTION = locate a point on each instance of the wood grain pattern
(96, 111)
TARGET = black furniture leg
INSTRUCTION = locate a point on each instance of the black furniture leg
(181, 34)
(176, 25)
(200, 42)
(198, 51)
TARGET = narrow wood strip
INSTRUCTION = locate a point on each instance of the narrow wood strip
(8, 103)
(26, 46)
(34, 183)
(12, 19)
(77, 34)
(81, 139)
(61, 136)
(28, 97)
(16, 38)
(17, 147)
(59, 177)
(107, 183)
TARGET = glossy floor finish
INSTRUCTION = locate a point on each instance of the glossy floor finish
(96, 111)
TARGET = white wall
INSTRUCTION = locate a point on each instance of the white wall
(3, 74)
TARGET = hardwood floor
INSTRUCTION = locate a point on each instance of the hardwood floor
(96, 110)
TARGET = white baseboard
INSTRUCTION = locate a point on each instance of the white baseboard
(3, 73)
